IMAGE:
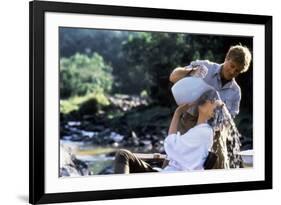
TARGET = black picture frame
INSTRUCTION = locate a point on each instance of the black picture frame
(37, 9)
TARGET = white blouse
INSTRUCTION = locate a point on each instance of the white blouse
(188, 151)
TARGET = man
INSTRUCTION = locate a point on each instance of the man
(220, 76)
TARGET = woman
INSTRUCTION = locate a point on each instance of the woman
(185, 152)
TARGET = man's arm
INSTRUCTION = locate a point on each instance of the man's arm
(235, 105)
(194, 69)
(179, 73)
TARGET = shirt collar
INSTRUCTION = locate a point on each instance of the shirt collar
(217, 74)
(217, 71)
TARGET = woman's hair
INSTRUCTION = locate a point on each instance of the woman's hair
(210, 95)
(217, 119)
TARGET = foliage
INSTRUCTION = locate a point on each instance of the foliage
(81, 75)
(108, 43)
(143, 60)
(151, 56)
(97, 100)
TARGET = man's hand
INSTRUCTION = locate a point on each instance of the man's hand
(192, 70)
(199, 71)
(179, 73)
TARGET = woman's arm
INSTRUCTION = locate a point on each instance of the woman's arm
(174, 123)
(176, 117)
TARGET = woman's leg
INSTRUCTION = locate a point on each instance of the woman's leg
(126, 162)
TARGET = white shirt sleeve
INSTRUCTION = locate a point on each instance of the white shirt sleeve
(190, 150)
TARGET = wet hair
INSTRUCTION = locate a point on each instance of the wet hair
(210, 95)
(224, 128)
(217, 119)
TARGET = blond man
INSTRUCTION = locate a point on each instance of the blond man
(220, 76)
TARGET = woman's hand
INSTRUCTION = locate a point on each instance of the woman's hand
(183, 108)
(176, 117)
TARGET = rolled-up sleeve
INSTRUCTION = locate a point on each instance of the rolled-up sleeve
(234, 109)
(211, 68)
(171, 143)
(200, 62)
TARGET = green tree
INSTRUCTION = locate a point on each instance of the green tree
(150, 57)
(81, 74)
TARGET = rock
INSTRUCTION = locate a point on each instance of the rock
(88, 134)
(159, 146)
(105, 133)
(98, 128)
(115, 144)
(77, 138)
(155, 138)
(147, 145)
(89, 106)
(126, 102)
(107, 170)
(74, 123)
(70, 165)
(147, 136)
(116, 137)
(91, 118)
(135, 139)
(66, 137)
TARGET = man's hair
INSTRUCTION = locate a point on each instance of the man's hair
(241, 55)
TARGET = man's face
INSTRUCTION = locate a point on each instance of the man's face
(230, 69)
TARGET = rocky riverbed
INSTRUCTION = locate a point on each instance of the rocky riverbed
(129, 122)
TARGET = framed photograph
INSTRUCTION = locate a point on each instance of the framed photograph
(130, 102)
